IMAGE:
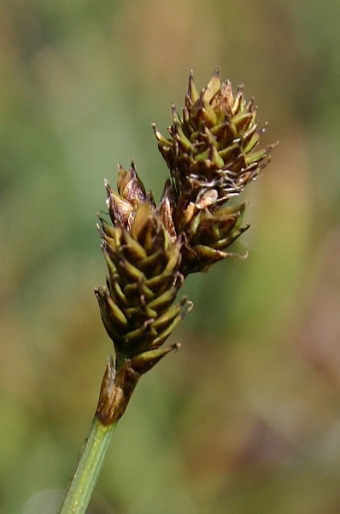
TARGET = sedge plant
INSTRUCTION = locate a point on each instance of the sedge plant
(150, 249)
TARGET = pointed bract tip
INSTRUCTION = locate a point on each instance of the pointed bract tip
(108, 189)
(156, 131)
(143, 362)
(192, 93)
(214, 85)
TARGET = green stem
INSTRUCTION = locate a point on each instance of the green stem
(115, 392)
(90, 462)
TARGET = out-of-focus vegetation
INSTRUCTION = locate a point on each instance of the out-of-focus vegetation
(245, 418)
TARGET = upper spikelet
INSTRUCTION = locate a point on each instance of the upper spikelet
(212, 156)
(212, 146)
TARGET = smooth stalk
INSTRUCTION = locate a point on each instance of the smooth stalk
(116, 389)
(90, 462)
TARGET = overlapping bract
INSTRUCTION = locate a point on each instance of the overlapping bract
(136, 303)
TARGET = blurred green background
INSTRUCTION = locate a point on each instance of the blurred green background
(245, 418)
